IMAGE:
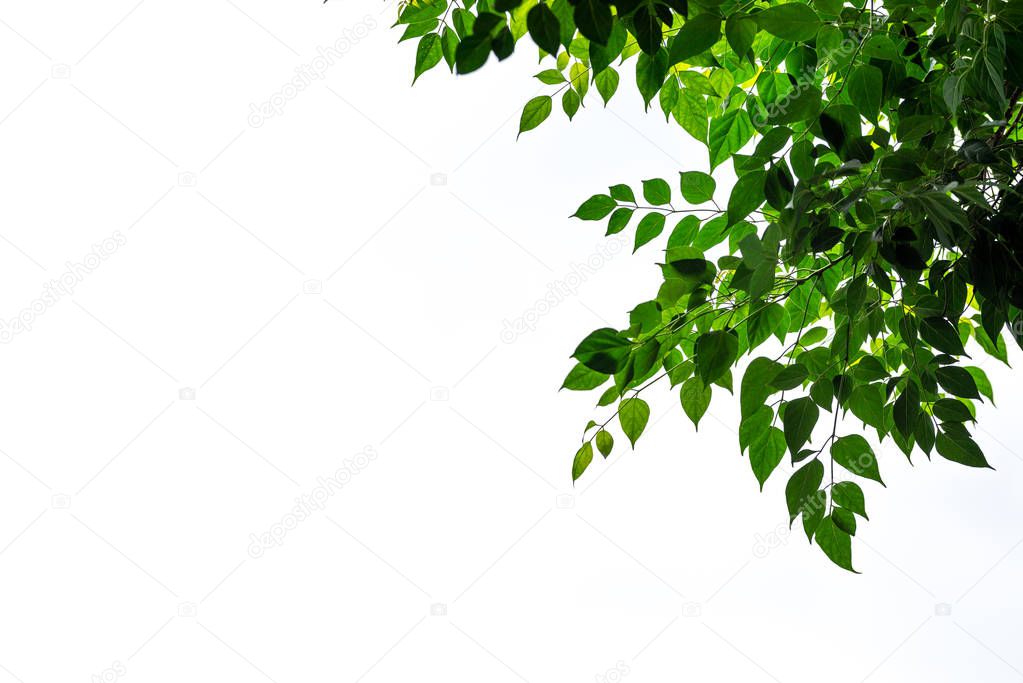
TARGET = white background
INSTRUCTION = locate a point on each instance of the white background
(453, 555)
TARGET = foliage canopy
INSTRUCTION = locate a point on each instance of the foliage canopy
(873, 231)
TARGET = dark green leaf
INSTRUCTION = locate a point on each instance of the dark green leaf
(855, 454)
(799, 417)
(715, 352)
(849, 495)
(593, 19)
(696, 35)
(835, 543)
(802, 487)
(544, 28)
(792, 21)
(957, 381)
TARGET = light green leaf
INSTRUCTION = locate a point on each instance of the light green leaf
(583, 458)
(535, 112)
(695, 397)
(428, 54)
(766, 452)
(633, 414)
(728, 134)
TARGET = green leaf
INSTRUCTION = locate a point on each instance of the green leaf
(697, 187)
(603, 350)
(715, 352)
(649, 227)
(695, 397)
(849, 495)
(957, 381)
(570, 103)
(939, 333)
(836, 543)
(906, 410)
(544, 28)
(581, 378)
(633, 414)
(651, 71)
(728, 134)
(605, 442)
(657, 191)
(844, 520)
(583, 458)
(422, 11)
(867, 403)
(534, 113)
(982, 382)
(696, 35)
(746, 197)
(754, 426)
(799, 417)
(766, 322)
(595, 208)
(950, 410)
(428, 54)
(740, 30)
(551, 77)
(865, 87)
(756, 384)
(619, 219)
(790, 377)
(792, 21)
(765, 452)
(961, 449)
(601, 56)
(802, 487)
(607, 83)
(593, 19)
(622, 193)
(855, 454)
